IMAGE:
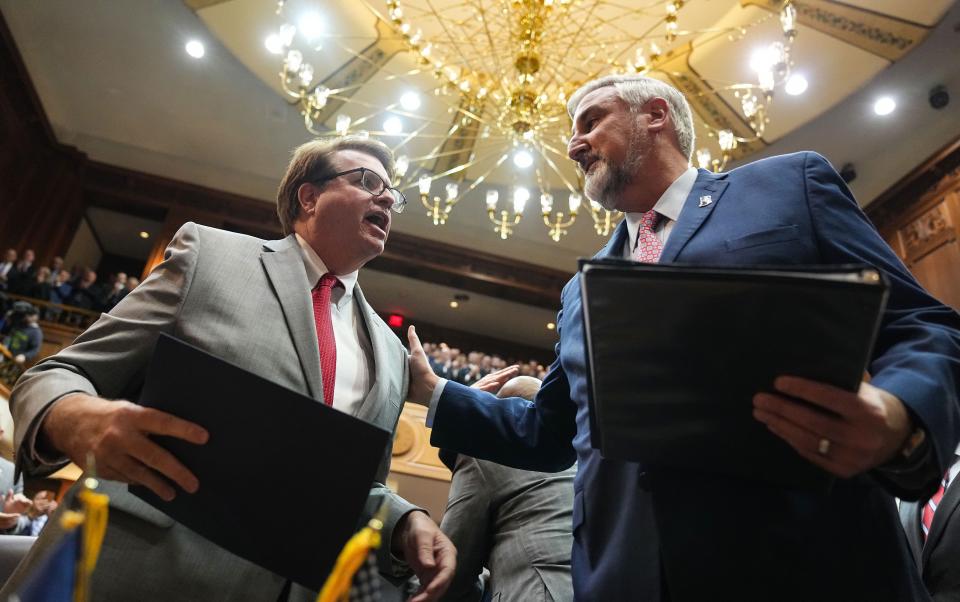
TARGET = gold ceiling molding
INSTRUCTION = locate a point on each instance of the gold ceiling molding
(707, 104)
(876, 33)
(201, 4)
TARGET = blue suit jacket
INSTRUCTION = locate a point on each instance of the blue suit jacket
(640, 531)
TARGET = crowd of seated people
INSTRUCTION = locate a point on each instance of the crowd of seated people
(467, 368)
(19, 275)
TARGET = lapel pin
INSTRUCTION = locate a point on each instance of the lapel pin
(705, 200)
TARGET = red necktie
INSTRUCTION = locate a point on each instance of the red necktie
(328, 343)
(648, 245)
(931, 506)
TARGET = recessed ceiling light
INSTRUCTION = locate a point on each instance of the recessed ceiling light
(310, 25)
(522, 159)
(393, 126)
(195, 49)
(796, 85)
(884, 105)
(273, 43)
(454, 304)
(144, 234)
(410, 101)
(551, 325)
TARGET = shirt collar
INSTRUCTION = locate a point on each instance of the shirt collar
(669, 205)
(316, 268)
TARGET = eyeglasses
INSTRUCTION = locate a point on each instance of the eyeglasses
(374, 184)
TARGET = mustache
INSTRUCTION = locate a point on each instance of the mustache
(585, 161)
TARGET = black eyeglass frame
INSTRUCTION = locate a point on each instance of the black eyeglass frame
(399, 199)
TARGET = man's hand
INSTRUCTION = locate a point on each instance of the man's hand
(16, 503)
(8, 521)
(846, 433)
(419, 541)
(115, 435)
(43, 503)
(422, 379)
(492, 382)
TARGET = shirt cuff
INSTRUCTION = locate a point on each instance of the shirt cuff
(434, 400)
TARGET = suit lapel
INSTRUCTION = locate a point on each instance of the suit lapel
(948, 505)
(383, 381)
(696, 209)
(910, 519)
(284, 266)
(614, 247)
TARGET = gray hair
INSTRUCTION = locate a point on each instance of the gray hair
(313, 162)
(635, 90)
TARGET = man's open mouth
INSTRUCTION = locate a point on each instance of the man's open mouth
(378, 219)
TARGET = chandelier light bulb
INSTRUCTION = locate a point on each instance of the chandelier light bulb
(195, 49)
(311, 26)
(402, 165)
(796, 85)
(410, 101)
(452, 190)
(294, 60)
(884, 105)
(424, 184)
(393, 126)
(574, 202)
(704, 158)
(788, 20)
(306, 74)
(273, 44)
(546, 203)
(595, 206)
(727, 140)
(492, 197)
(520, 197)
(320, 95)
(343, 124)
(287, 31)
(522, 159)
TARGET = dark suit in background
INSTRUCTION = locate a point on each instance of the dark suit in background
(938, 554)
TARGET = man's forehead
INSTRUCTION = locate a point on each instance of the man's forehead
(350, 159)
(604, 96)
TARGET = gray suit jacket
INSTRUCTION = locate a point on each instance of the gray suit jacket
(518, 524)
(939, 558)
(248, 302)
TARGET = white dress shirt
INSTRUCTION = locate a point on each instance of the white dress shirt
(669, 205)
(354, 351)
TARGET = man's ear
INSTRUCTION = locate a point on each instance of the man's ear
(307, 197)
(659, 112)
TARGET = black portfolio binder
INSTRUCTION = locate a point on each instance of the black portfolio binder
(676, 353)
(283, 478)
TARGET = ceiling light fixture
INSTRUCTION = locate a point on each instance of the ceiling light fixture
(144, 234)
(796, 85)
(273, 44)
(884, 105)
(195, 49)
(410, 101)
(392, 126)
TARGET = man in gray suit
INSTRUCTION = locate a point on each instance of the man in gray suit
(259, 305)
(517, 523)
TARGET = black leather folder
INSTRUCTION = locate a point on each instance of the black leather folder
(283, 478)
(676, 353)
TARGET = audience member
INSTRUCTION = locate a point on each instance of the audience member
(6, 266)
(117, 292)
(22, 333)
(86, 294)
(20, 515)
(933, 532)
(41, 287)
(56, 267)
(20, 278)
(516, 523)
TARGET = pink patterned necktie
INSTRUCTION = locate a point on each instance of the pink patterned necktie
(931, 506)
(649, 246)
(325, 336)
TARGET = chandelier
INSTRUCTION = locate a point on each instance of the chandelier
(505, 69)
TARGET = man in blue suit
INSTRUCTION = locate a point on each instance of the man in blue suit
(651, 533)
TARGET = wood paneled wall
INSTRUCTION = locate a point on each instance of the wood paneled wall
(920, 218)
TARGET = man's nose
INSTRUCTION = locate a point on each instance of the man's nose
(576, 147)
(384, 199)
